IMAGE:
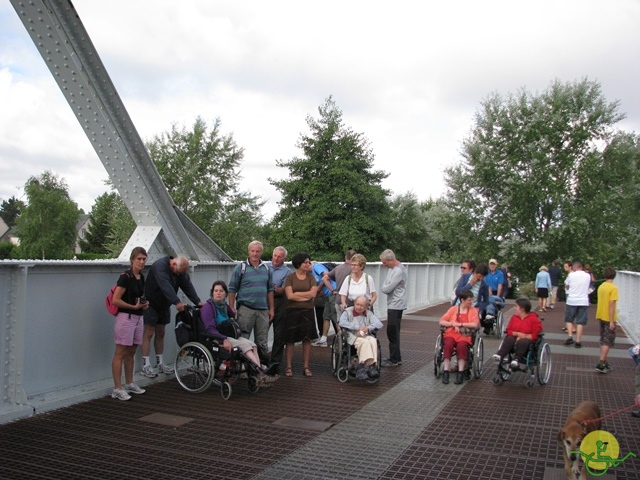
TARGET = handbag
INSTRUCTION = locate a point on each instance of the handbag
(230, 328)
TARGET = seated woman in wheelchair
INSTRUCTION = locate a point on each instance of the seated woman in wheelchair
(214, 313)
(522, 331)
(359, 323)
(459, 322)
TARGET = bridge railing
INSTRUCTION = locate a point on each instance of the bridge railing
(56, 342)
(628, 284)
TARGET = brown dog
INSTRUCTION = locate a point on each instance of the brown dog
(584, 419)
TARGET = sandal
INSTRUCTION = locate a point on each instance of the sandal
(306, 372)
(288, 372)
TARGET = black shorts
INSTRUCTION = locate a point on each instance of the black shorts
(153, 317)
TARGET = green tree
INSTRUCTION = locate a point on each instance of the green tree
(100, 218)
(121, 227)
(201, 170)
(409, 232)
(518, 181)
(10, 210)
(608, 195)
(332, 198)
(47, 226)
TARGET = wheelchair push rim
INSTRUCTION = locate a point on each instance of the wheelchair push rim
(478, 358)
(437, 357)
(543, 368)
(194, 367)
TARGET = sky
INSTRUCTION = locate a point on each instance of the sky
(408, 75)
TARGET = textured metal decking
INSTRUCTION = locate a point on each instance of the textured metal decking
(408, 426)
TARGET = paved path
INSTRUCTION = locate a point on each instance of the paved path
(408, 426)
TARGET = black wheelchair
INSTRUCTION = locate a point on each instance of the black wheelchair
(475, 357)
(495, 325)
(202, 360)
(538, 364)
(344, 358)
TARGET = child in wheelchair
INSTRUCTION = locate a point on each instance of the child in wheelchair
(359, 324)
(459, 323)
(217, 319)
(523, 330)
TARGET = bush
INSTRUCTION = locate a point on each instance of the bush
(6, 248)
(527, 290)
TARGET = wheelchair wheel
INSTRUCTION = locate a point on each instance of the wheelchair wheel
(253, 384)
(336, 354)
(225, 390)
(437, 357)
(478, 357)
(194, 367)
(499, 325)
(543, 368)
(343, 374)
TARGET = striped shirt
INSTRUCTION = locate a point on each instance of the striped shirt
(252, 286)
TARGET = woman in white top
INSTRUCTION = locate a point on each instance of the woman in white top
(358, 284)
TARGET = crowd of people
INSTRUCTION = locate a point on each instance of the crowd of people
(302, 304)
(260, 295)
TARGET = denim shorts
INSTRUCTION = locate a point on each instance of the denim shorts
(577, 313)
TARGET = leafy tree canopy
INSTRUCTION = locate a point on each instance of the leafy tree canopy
(201, 170)
(101, 216)
(516, 192)
(47, 226)
(332, 199)
(10, 210)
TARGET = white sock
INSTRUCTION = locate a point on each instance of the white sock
(323, 338)
(159, 360)
(145, 361)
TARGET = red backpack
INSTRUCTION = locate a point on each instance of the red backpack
(111, 308)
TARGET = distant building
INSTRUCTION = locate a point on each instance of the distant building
(82, 227)
(8, 234)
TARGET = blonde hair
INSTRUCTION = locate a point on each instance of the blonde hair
(359, 259)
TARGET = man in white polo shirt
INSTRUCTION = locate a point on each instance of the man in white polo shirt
(577, 287)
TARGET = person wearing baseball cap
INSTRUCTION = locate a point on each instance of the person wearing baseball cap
(495, 278)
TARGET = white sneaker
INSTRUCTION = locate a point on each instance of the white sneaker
(133, 388)
(120, 394)
(320, 343)
(496, 357)
(164, 368)
(489, 317)
(148, 371)
(514, 364)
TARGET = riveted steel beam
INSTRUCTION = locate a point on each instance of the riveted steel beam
(65, 46)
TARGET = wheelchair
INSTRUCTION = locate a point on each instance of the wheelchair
(538, 364)
(344, 358)
(497, 327)
(475, 357)
(202, 360)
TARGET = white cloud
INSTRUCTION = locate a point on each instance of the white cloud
(408, 75)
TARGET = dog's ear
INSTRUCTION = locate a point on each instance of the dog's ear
(561, 436)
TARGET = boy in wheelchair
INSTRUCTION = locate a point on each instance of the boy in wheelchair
(217, 319)
(523, 331)
(359, 323)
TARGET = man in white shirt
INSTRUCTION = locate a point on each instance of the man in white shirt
(577, 287)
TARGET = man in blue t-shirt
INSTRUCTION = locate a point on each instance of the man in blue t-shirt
(329, 313)
(494, 279)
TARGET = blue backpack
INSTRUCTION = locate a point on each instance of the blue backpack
(317, 271)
